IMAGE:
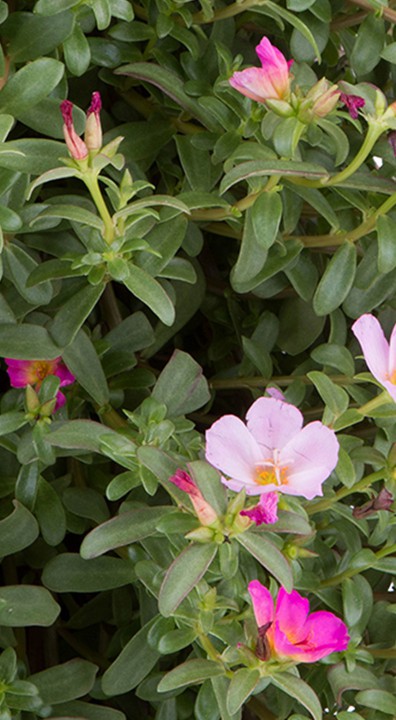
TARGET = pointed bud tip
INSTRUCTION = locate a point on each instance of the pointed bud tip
(96, 103)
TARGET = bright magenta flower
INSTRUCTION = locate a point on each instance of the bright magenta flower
(205, 512)
(273, 452)
(379, 355)
(271, 81)
(33, 372)
(75, 145)
(266, 511)
(290, 632)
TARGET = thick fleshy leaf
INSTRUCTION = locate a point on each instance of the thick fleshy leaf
(298, 689)
(268, 556)
(190, 673)
(26, 605)
(18, 530)
(182, 576)
(65, 682)
(132, 665)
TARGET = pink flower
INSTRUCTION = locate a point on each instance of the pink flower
(205, 512)
(273, 452)
(380, 356)
(271, 81)
(33, 372)
(266, 512)
(290, 631)
(93, 128)
(76, 147)
(352, 103)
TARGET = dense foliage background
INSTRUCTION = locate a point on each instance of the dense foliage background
(235, 253)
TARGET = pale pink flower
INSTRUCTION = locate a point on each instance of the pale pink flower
(352, 103)
(266, 511)
(290, 632)
(271, 81)
(93, 127)
(380, 356)
(205, 513)
(273, 452)
(33, 372)
(75, 145)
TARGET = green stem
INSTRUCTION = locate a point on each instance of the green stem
(373, 133)
(91, 181)
(337, 579)
(360, 486)
(282, 380)
(381, 399)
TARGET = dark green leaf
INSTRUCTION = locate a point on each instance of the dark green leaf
(268, 556)
(182, 576)
(68, 572)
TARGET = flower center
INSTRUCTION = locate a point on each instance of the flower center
(269, 473)
(43, 368)
(392, 377)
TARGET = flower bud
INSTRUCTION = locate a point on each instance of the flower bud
(93, 128)
(75, 145)
(324, 97)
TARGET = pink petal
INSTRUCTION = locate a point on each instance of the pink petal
(64, 374)
(254, 83)
(326, 633)
(60, 400)
(275, 393)
(232, 449)
(309, 457)
(374, 345)
(21, 372)
(266, 510)
(263, 604)
(185, 482)
(275, 65)
(273, 423)
(291, 613)
(392, 355)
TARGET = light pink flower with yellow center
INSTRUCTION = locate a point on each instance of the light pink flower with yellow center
(271, 81)
(272, 452)
(33, 372)
(380, 356)
(205, 513)
(289, 631)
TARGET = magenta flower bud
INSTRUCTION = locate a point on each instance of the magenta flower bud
(24, 373)
(352, 103)
(380, 356)
(266, 512)
(205, 513)
(272, 452)
(271, 81)
(93, 127)
(289, 631)
(75, 145)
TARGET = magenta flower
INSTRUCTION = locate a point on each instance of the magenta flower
(290, 632)
(352, 103)
(380, 356)
(271, 81)
(273, 452)
(75, 145)
(33, 372)
(93, 127)
(204, 511)
(266, 511)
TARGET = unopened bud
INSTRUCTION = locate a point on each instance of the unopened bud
(75, 145)
(324, 98)
(93, 127)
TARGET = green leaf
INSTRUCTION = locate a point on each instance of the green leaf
(77, 52)
(337, 356)
(79, 435)
(268, 556)
(151, 293)
(68, 681)
(176, 640)
(242, 685)
(340, 679)
(252, 256)
(26, 341)
(171, 84)
(277, 10)
(18, 265)
(50, 513)
(27, 605)
(71, 212)
(29, 85)
(68, 572)
(182, 576)
(11, 421)
(82, 360)
(386, 232)
(71, 316)
(207, 479)
(122, 530)
(191, 672)
(181, 385)
(34, 156)
(30, 36)
(298, 689)
(336, 281)
(299, 326)
(260, 168)
(335, 397)
(132, 665)
(266, 216)
(88, 710)
(18, 530)
(380, 700)
(368, 45)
